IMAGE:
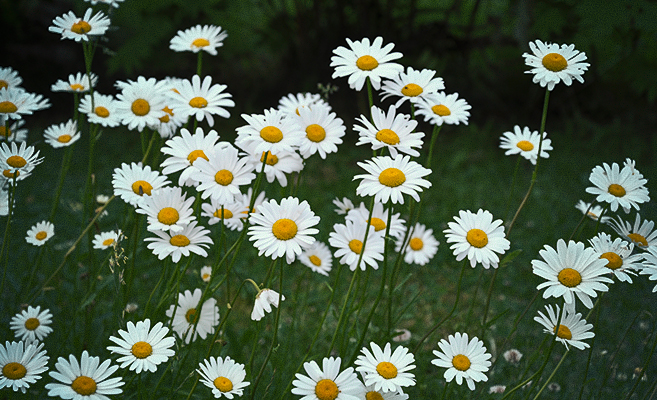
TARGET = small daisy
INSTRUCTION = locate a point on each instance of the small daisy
(371, 394)
(386, 370)
(32, 324)
(441, 108)
(497, 389)
(201, 100)
(379, 219)
(621, 263)
(478, 237)
(143, 348)
(413, 85)
(270, 131)
(169, 123)
(512, 356)
(263, 302)
(401, 335)
(396, 132)
(641, 234)
(206, 273)
(21, 159)
(283, 230)
(618, 187)
(327, 383)
(72, 27)
(185, 316)
(111, 3)
(12, 132)
(141, 102)
(40, 233)
(18, 368)
(348, 240)
(104, 111)
(292, 104)
(184, 150)
(324, 131)
(463, 358)
(222, 173)
(525, 143)
(14, 103)
(318, 258)
(9, 78)
(132, 182)
(592, 212)
(168, 209)
(421, 245)
(277, 166)
(106, 240)
(197, 38)
(571, 270)
(390, 178)
(246, 201)
(62, 135)
(232, 214)
(224, 376)
(77, 83)
(344, 206)
(552, 64)
(572, 329)
(192, 239)
(364, 61)
(84, 380)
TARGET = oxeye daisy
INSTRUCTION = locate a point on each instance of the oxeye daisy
(413, 85)
(77, 83)
(132, 182)
(186, 317)
(441, 108)
(571, 270)
(84, 380)
(513, 356)
(270, 131)
(592, 212)
(386, 370)
(191, 239)
(292, 104)
(263, 302)
(526, 143)
(362, 61)
(283, 230)
(618, 253)
(464, 359)
(344, 206)
(21, 365)
(318, 258)
(277, 166)
(206, 273)
(224, 376)
(141, 102)
(102, 112)
(184, 150)
(421, 246)
(201, 99)
(14, 103)
(348, 240)
(12, 132)
(40, 233)
(168, 209)
(143, 348)
(200, 37)
(21, 159)
(477, 237)
(390, 178)
(221, 175)
(32, 324)
(76, 28)
(640, 233)
(324, 131)
(62, 135)
(246, 201)
(379, 219)
(231, 215)
(371, 394)
(327, 383)
(9, 78)
(572, 329)
(392, 131)
(618, 187)
(552, 64)
(106, 240)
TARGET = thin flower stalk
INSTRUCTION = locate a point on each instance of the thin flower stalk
(66, 163)
(5, 239)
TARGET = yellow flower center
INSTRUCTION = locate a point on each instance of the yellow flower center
(373, 396)
(5, 132)
(168, 216)
(84, 385)
(569, 277)
(77, 87)
(555, 62)
(386, 370)
(3, 84)
(416, 244)
(226, 215)
(108, 242)
(198, 102)
(477, 238)
(412, 90)
(271, 159)
(564, 332)
(7, 107)
(102, 112)
(284, 229)
(41, 235)
(200, 42)
(271, 134)
(14, 370)
(179, 241)
(8, 174)
(315, 260)
(167, 116)
(196, 154)
(441, 110)
(142, 187)
(387, 136)
(378, 224)
(367, 63)
(326, 389)
(205, 277)
(223, 177)
(638, 239)
(81, 28)
(315, 133)
(461, 362)
(525, 145)
(356, 246)
(32, 323)
(141, 350)
(64, 138)
(392, 177)
(16, 161)
(614, 259)
(223, 384)
(140, 107)
(616, 190)
(190, 315)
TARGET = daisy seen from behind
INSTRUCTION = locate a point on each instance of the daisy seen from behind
(200, 37)
(132, 182)
(143, 348)
(640, 233)
(318, 258)
(15, 102)
(526, 143)
(85, 379)
(442, 108)
(620, 261)
(390, 178)
(184, 150)
(618, 187)
(105, 240)
(167, 209)
(185, 316)
(224, 376)
(62, 135)
(464, 359)
(40, 233)
(191, 239)
(270, 131)
(364, 61)
(420, 247)
(413, 85)
(328, 382)
(21, 364)
(551, 64)
(395, 132)
(348, 239)
(201, 99)
(72, 27)
(386, 370)
(77, 83)
(103, 111)
(141, 102)
(572, 329)
(324, 130)
(32, 324)
(265, 299)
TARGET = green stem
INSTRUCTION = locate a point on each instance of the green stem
(487, 307)
(552, 374)
(199, 63)
(10, 200)
(434, 136)
(66, 162)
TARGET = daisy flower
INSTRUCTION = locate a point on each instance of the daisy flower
(21, 159)
(270, 132)
(642, 234)
(324, 131)
(197, 38)
(552, 64)
(592, 212)
(441, 108)
(224, 376)
(318, 258)
(143, 348)
(344, 205)
(103, 111)
(76, 28)
(571, 270)
(222, 174)
(62, 135)
(283, 230)
(525, 143)
(232, 213)
(364, 61)
(201, 100)
(246, 201)
(572, 329)
(14, 103)
(327, 383)
(421, 245)
(168, 209)
(141, 102)
(186, 316)
(512, 356)
(106, 240)
(618, 253)
(390, 178)
(84, 380)
(413, 85)
(32, 324)
(379, 219)
(292, 104)
(20, 368)
(371, 394)
(206, 273)
(169, 123)
(184, 150)
(12, 132)
(348, 240)
(618, 187)
(40, 233)
(111, 3)
(464, 359)
(9, 78)
(497, 389)
(394, 132)
(263, 302)
(278, 164)
(478, 237)
(650, 266)
(386, 370)
(192, 239)
(77, 83)
(132, 182)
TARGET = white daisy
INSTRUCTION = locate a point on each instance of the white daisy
(76, 28)
(463, 358)
(168, 209)
(421, 245)
(15, 102)
(106, 240)
(364, 61)
(572, 329)
(414, 85)
(21, 159)
(201, 100)
(222, 174)
(642, 234)
(396, 132)
(233, 213)
(143, 348)
(192, 239)
(552, 64)
(184, 150)
(379, 219)
(291, 104)
(478, 237)
(390, 178)
(20, 368)
(278, 164)
(12, 132)
(650, 265)
(40, 233)
(132, 182)
(344, 205)
(348, 240)
(592, 212)
(327, 383)
(111, 3)
(206, 273)
(512, 356)
(197, 38)
(283, 230)
(169, 123)
(9, 78)
(618, 187)
(270, 131)
(102, 112)
(324, 131)
(186, 316)
(620, 261)
(84, 380)
(571, 270)
(497, 389)
(246, 201)
(318, 258)
(525, 143)
(62, 135)
(224, 376)
(32, 324)
(386, 370)
(141, 102)
(441, 108)
(263, 302)
(77, 83)
(371, 394)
